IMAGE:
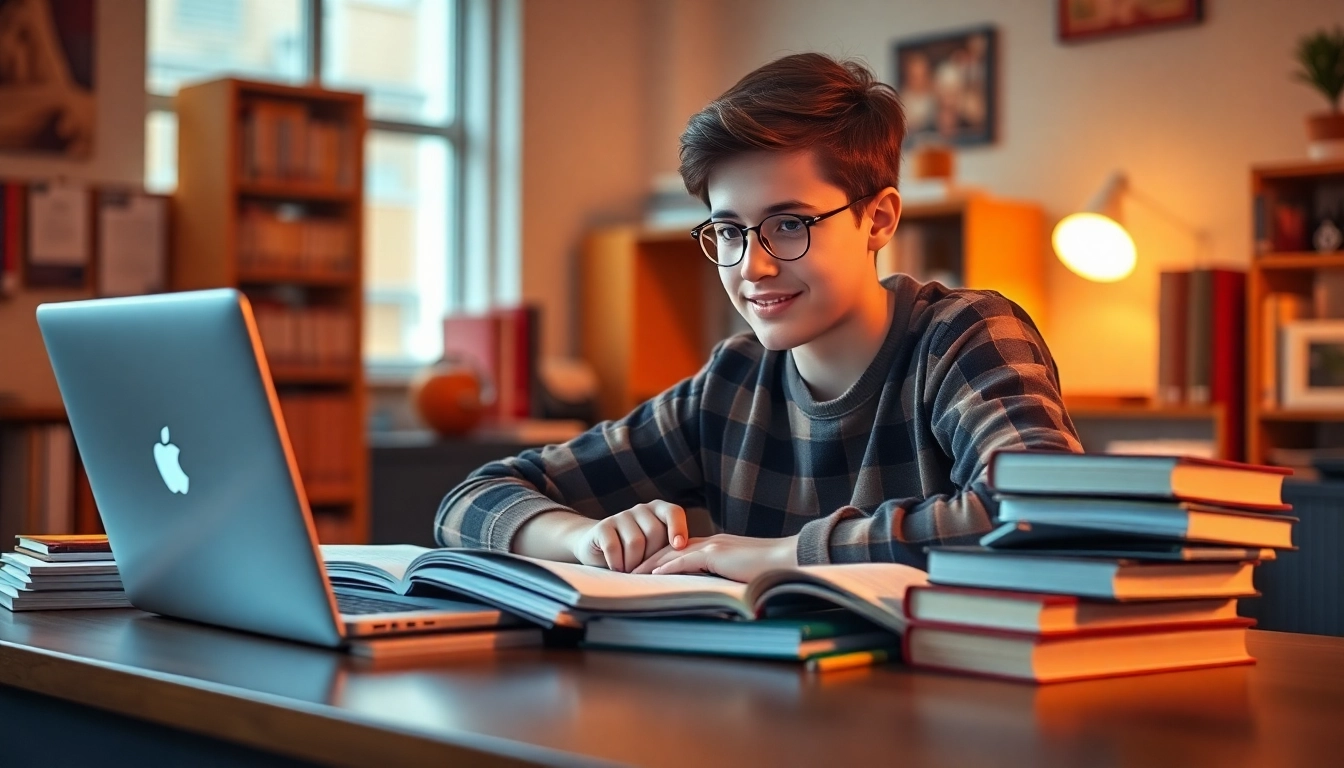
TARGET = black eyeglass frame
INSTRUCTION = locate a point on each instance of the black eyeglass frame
(808, 222)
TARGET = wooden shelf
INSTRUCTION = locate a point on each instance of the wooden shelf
(1299, 170)
(20, 412)
(295, 92)
(329, 494)
(1304, 260)
(1302, 414)
(268, 275)
(929, 209)
(296, 191)
(1147, 412)
(288, 373)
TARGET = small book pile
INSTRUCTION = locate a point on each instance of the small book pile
(1103, 565)
(796, 613)
(47, 572)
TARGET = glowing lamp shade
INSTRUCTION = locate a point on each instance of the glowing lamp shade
(1094, 246)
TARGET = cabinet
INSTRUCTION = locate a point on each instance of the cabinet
(270, 201)
(652, 306)
(1289, 282)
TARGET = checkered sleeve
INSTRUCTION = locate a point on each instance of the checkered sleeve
(651, 454)
(990, 384)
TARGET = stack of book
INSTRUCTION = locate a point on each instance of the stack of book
(46, 572)
(795, 613)
(1103, 565)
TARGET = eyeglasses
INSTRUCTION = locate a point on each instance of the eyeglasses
(786, 236)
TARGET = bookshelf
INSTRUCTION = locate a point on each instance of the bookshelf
(652, 305)
(270, 201)
(1285, 283)
(975, 240)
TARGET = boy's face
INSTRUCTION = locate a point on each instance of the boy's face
(790, 303)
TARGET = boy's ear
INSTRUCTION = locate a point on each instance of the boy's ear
(886, 215)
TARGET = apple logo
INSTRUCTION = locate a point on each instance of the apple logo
(165, 455)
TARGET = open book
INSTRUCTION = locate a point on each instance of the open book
(566, 594)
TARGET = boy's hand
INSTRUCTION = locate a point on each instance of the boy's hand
(740, 558)
(623, 541)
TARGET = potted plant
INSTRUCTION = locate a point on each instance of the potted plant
(1321, 60)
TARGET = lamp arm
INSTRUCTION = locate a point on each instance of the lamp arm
(1203, 241)
(1166, 213)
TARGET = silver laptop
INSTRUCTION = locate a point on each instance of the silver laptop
(177, 423)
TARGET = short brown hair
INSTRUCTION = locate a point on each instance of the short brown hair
(837, 109)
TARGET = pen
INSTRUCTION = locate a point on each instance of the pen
(847, 660)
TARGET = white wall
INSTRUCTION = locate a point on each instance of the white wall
(118, 157)
(583, 141)
(607, 88)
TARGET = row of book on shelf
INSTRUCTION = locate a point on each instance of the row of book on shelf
(305, 335)
(1297, 218)
(286, 237)
(42, 485)
(286, 141)
(1101, 565)
(57, 233)
(1202, 344)
(320, 427)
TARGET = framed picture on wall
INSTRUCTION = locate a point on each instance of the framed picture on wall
(46, 77)
(1081, 20)
(947, 84)
(1312, 373)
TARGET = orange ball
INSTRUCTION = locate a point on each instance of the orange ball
(447, 395)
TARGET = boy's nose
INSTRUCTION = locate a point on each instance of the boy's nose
(757, 263)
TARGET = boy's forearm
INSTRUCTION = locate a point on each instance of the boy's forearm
(551, 535)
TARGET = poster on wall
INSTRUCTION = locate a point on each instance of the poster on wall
(946, 83)
(46, 77)
(1081, 20)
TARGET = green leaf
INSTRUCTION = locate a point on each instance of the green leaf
(1320, 57)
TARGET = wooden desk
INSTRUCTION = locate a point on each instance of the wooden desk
(567, 706)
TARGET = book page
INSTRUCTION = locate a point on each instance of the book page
(601, 583)
(392, 559)
(879, 587)
(589, 587)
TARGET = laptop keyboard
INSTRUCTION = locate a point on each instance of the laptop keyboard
(358, 605)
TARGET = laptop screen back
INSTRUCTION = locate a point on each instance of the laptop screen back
(177, 424)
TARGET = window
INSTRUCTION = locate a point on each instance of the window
(418, 62)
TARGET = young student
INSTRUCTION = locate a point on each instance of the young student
(853, 425)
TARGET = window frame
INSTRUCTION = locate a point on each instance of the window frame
(462, 64)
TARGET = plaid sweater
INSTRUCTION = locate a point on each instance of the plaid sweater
(896, 463)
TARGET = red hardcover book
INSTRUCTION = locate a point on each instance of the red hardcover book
(1173, 301)
(518, 340)
(475, 341)
(1227, 365)
(1081, 655)
(1048, 615)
